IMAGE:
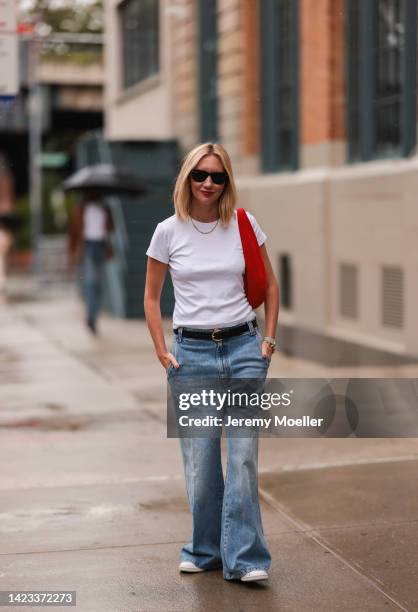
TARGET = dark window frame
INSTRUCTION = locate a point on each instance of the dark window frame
(286, 281)
(207, 14)
(140, 45)
(362, 82)
(279, 88)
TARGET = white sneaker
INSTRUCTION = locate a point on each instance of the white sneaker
(191, 568)
(255, 575)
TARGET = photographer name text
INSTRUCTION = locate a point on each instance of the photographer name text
(279, 421)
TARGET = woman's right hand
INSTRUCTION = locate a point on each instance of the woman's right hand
(166, 359)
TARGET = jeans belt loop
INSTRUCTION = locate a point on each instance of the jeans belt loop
(251, 327)
(180, 334)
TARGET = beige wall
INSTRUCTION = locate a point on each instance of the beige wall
(363, 214)
(290, 210)
(144, 111)
(185, 64)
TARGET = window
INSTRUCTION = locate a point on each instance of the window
(353, 46)
(208, 70)
(388, 80)
(140, 40)
(279, 84)
(381, 116)
(392, 296)
(348, 290)
(285, 276)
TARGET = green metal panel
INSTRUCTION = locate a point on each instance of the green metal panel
(156, 164)
(208, 69)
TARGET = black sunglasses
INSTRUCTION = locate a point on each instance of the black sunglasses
(219, 178)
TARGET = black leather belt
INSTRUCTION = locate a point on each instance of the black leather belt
(217, 334)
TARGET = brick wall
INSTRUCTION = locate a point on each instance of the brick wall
(250, 123)
(185, 65)
(337, 69)
(322, 74)
(322, 103)
(231, 78)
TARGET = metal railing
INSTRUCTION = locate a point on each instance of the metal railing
(75, 48)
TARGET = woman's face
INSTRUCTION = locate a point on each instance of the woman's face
(207, 192)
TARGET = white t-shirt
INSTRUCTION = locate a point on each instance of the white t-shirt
(206, 270)
(94, 222)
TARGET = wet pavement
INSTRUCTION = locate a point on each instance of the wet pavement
(92, 495)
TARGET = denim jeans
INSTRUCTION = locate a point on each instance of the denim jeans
(93, 265)
(227, 529)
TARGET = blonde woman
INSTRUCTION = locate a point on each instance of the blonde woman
(200, 245)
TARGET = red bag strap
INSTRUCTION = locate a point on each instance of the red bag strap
(248, 237)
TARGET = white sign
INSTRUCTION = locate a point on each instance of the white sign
(9, 60)
(9, 69)
(8, 21)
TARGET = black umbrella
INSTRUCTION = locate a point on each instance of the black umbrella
(10, 221)
(106, 179)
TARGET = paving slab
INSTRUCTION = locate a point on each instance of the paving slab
(387, 554)
(349, 495)
(146, 579)
(51, 458)
(367, 513)
(67, 518)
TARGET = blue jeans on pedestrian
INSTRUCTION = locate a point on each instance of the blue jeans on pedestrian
(93, 266)
(227, 529)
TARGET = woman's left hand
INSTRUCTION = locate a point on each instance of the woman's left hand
(266, 350)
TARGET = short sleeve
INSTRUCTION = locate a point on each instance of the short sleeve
(158, 248)
(260, 235)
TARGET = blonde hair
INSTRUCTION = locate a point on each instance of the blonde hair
(182, 192)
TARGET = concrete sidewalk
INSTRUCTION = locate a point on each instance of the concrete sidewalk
(93, 497)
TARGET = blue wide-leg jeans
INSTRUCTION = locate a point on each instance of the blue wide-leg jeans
(227, 529)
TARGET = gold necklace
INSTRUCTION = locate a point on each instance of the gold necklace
(200, 231)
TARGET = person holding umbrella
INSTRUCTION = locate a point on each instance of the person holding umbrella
(5, 244)
(91, 224)
(90, 227)
(7, 219)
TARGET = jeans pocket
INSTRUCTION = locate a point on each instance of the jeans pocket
(173, 351)
(169, 369)
(267, 360)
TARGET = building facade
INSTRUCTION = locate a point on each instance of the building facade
(316, 102)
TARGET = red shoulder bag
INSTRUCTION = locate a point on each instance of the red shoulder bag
(255, 279)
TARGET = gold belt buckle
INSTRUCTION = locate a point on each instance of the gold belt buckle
(213, 335)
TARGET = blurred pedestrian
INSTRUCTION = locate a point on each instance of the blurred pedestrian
(89, 246)
(5, 244)
(7, 200)
(215, 335)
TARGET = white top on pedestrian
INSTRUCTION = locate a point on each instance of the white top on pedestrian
(94, 221)
(206, 270)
